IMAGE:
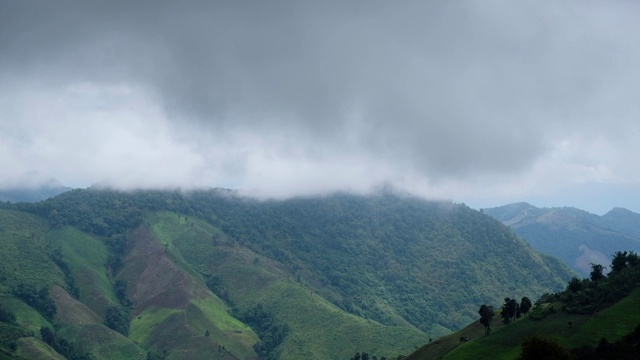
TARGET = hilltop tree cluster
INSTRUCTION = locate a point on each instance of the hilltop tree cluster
(587, 296)
(509, 311)
(592, 294)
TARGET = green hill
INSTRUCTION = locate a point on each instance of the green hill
(609, 311)
(214, 275)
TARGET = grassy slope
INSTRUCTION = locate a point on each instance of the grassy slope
(24, 248)
(23, 252)
(27, 317)
(103, 343)
(86, 257)
(259, 280)
(504, 343)
(36, 349)
(82, 318)
(179, 321)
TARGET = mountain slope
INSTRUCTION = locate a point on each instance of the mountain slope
(313, 277)
(577, 318)
(577, 237)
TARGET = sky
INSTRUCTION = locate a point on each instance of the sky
(481, 102)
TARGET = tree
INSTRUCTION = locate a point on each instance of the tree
(622, 260)
(574, 285)
(525, 305)
(486, 316)
(510, 310)
(47, 335)
(117, 319)
(596, 272)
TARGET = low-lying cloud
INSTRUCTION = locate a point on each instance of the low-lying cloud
(296, 97)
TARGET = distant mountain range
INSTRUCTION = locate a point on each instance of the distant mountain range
(31, 187)
(577, 237)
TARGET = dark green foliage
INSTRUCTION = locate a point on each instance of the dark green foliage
(588, 296)
(37, 299)
(216, 285)
(525, 305)
(486, 317)
(117, 318)
(510, 310)
(117, 245)
(271, 332)
(64, 347)
(7, 316)
(120, 287)
(73, 289)
(538, 347)
(574, 285)
(626, 348)
(596, 272)
(623, 260)
(10, 332)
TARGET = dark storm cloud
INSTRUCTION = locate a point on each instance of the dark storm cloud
(445, 90)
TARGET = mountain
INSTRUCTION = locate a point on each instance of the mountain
(211, 274)
(577, 237)
(31, 187)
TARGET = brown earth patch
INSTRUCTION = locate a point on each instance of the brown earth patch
(588, 257)
(71, 311)
(154, 278)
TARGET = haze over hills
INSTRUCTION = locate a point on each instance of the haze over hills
(577, 237)
(30, 187)
(211, 273)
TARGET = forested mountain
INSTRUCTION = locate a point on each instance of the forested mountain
(577, 237)
(208, 273)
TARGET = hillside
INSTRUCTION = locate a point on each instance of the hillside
(575, 236)
(212, 273)
(577, 319)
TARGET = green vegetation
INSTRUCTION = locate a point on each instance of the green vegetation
(575, 236)
(333, 275)
(66, 348)
(86, 256)
(271, 332)
(37, 299)
(580, 321)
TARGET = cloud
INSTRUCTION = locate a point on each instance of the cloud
(292, 97)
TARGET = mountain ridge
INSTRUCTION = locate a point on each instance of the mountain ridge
(576, 236)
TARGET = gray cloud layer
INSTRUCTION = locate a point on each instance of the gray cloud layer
(289, 97)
